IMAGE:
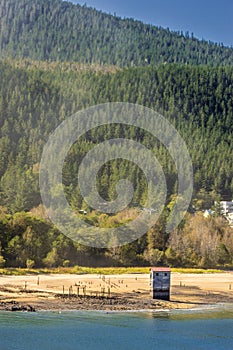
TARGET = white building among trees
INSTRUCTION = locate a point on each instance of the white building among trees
(227, 210)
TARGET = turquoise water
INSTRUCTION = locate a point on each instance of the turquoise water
(100, 330)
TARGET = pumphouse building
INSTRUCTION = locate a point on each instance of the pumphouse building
(160, 280)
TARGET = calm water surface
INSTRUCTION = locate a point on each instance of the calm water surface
(206, 329)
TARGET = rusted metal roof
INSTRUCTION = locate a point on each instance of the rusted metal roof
(161, 269)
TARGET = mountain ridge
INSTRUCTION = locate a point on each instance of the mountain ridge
(62, 31)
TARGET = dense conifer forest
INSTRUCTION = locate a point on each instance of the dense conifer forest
(60, 30)
(58, 58)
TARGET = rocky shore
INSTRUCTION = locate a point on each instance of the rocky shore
(92, 303)
(15, 306)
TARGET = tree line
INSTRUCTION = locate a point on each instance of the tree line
(27, 240)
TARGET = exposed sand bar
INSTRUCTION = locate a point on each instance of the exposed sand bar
(113, 292)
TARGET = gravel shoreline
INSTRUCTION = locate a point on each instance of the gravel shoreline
(103, 304)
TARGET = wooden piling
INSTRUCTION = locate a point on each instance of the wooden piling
(70, 291)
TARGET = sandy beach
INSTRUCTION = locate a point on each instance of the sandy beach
(111, 292)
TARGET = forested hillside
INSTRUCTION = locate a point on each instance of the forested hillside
(36, 96)
(57, 58)
(34, 100)
(59, 30)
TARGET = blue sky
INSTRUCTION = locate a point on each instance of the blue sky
(208, 19)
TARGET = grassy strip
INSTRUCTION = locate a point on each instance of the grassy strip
(102, 270)
(75, 270)
(193, 270)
